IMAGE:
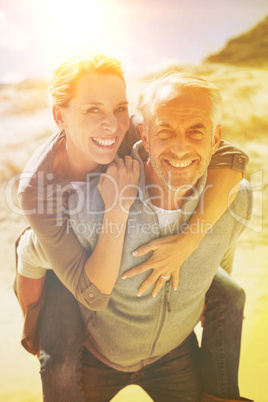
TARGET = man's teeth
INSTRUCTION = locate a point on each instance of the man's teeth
(104, 142)
(180, 164)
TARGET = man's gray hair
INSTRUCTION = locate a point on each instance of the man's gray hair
(181, 83)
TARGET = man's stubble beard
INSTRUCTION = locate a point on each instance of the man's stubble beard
(181, 188)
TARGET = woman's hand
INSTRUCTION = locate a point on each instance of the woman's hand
(119, 185)
(169, 253)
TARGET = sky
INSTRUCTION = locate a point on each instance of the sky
(145, 35)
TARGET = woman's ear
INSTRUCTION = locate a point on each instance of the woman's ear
(58, 116)
(144, 137)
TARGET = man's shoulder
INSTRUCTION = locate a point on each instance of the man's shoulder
(86, 198)
(243, 200)
(238, 214)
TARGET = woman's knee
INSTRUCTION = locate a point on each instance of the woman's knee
(61, 370)
(225, 290)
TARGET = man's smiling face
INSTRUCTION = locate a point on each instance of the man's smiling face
(180, 139)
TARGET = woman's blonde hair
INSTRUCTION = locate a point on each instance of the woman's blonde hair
(66, 76)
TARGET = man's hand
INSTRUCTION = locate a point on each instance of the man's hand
(169, 253)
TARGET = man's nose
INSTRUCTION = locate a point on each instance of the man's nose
(110, 123)
(180, 145)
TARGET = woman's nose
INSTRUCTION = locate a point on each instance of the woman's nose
(110, 123)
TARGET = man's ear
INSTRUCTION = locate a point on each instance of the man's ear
(217, 139)
(58, 116)
(144, 136)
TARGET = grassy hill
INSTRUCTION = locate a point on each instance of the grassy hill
(247, 49)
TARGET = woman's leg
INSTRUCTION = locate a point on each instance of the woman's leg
(61, 332)
(221, 340)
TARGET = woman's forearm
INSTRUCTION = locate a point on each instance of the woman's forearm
(221, 188)
(102, 267)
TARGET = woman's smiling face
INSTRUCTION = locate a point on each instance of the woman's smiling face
(96, 118)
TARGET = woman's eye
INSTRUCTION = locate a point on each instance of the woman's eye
(93, 110)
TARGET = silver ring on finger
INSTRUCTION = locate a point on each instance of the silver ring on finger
(165, 277)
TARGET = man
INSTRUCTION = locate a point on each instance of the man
(150, 340)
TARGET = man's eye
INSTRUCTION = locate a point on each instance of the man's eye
(165, 133)
(121, 109)
(196, 134)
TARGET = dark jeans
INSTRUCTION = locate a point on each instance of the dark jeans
(61, 335)
(174, 378)
(169, 378)
(221, 339)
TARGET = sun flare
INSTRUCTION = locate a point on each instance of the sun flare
(77, 21)
(80, 27)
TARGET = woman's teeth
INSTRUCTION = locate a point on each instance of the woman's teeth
(104, 142)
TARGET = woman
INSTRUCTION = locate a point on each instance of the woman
(90, 108)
